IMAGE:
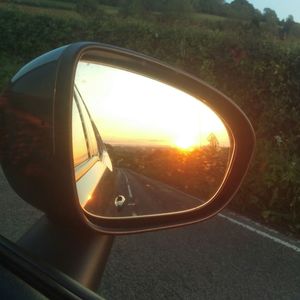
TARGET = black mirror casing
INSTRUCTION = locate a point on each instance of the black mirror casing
(36, 141)
(33, 150)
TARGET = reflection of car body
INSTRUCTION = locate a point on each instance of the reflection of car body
(91, 161)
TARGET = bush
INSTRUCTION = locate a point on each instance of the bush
(86, 7)
(260, 73)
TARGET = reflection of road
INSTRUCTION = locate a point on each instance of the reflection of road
(145, 196)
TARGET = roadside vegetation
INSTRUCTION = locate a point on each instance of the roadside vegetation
(252, 57)
(199, 172)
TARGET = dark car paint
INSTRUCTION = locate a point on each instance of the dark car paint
(31, 276)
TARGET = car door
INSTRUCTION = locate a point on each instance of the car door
(91, 160)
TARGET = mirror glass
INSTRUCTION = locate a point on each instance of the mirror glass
(142, 147)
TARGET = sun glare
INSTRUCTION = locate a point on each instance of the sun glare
(186, 142)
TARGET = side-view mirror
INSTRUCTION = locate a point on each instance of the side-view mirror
(104, 137)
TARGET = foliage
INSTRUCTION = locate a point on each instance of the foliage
(8, 67)
(169, 9)
(258, 69)
(37, 10)
(215, 7)
(270, 15)
(86, 7)
(45, 3)
(198, 172)
(242, 9)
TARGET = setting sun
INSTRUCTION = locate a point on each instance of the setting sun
(184, 143)
(187, 139)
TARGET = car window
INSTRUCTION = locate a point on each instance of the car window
(92, 141)
(80, 143)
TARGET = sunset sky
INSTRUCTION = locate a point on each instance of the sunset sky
(132, 109)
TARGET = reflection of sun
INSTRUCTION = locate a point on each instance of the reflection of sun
(185, 142)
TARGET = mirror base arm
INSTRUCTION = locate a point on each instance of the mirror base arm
(78, 252)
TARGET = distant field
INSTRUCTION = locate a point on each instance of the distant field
(109, 9)
(45, 3)
(204, 17)
(67, 9)
(62, 13)
(52, 8)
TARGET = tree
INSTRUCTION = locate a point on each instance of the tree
(288, 24)
(154, 5)
(271, 21)
(211, 7)
(213, 142)
(270, 16)
(178, 8)
(242, 9)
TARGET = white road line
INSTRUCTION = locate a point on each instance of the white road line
(129, 191)
(259, 232)
(126, 178)
(128, 186)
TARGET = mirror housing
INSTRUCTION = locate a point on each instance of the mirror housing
(36, 139)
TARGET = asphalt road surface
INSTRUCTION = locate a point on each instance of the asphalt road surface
(142, 196)
(227, 257)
